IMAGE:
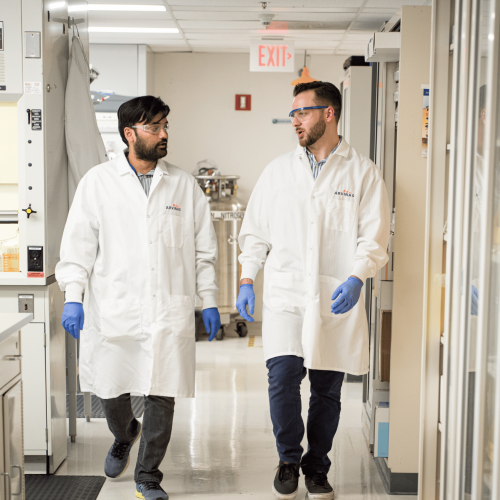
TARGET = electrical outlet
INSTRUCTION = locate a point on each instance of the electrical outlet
(35, 259)
(27, 303)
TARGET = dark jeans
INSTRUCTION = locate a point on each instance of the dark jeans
(156, 431)
(285, 375)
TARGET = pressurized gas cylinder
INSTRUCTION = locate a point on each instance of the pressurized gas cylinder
(227, 215)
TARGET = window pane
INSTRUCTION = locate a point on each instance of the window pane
(477, 213)
(494, 286)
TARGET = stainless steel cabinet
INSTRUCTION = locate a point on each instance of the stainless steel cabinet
(13, 442)
(11, 406)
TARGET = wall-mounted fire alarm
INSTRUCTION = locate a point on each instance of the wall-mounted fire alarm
(243, 102)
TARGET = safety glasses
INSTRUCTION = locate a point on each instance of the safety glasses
(152, 129)
(304, 113)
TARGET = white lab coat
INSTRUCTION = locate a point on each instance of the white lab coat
(83, 140)
(318, 233)
(145, 259)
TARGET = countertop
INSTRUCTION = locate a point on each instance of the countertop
(13, 322)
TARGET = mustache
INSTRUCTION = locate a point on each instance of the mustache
(162, 142)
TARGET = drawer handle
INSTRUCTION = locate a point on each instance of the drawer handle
(14, 357)
(20, 479)
(9, 497)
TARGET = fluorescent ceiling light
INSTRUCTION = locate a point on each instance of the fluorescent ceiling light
(132, 30)
(127, 8)
(77, 8)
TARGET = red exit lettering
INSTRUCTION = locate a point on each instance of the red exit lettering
(276, 55)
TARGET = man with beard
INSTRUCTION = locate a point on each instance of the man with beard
(140, 233)
(320, 216)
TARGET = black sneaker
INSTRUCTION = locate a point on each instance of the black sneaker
(318, 487)
(150, 491)
(118, 456)
(286, 482)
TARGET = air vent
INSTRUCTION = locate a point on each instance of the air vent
(3, 76)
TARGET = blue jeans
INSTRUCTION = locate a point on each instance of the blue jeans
(285, 375)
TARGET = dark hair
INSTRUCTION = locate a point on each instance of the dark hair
(325, 94)
(140, 110)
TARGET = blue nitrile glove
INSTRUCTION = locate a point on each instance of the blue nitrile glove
(211, 320)
(474, 306)
(246, 297)
(73, 318)
(349, 292)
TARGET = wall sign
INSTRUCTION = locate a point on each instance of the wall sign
(266, 55)
(243, 102)
(32, 87)
(36, 119)
(425, 119)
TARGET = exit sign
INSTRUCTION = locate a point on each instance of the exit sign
(267, 55)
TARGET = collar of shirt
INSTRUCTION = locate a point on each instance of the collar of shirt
(149, 174)
(312, 159)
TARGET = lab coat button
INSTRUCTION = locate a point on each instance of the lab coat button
(312, 222)
(314, 197)
(150, 242)
(149, 216)
(154, 295)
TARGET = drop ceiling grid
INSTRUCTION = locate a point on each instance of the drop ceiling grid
(230, 24)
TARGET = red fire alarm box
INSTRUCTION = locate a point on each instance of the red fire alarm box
(243, 102)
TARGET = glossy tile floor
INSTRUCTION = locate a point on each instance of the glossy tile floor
(222, 442)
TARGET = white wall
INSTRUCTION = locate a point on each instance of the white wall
(200, 90)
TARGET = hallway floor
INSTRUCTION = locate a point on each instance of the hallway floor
(222, 442)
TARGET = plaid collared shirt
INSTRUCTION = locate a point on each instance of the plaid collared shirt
(316, 166)
(144, 179)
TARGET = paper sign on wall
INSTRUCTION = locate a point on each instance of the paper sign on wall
(32, 87)
(425, 120)
(266, 55)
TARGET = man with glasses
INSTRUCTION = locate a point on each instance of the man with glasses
(140, 232)
(319, 219)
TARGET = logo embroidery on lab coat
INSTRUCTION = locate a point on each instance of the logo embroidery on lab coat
(344, 193)
(174, 207)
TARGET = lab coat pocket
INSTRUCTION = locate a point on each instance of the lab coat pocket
(340, 214)
(121, 320)
(181, 315)
(328, 285)
(173, 230)
(287, 292)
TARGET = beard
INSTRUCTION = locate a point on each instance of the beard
(149, 153)
(314, 135)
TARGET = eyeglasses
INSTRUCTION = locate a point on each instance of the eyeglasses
(303, 114)
(152, 129)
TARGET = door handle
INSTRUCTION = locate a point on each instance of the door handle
(10, 485)
(13, 357)
(20, 479)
